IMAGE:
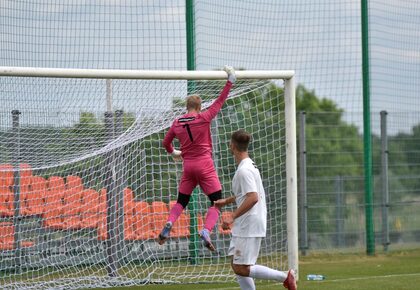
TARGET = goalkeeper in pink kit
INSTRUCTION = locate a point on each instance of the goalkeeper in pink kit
(193, 132)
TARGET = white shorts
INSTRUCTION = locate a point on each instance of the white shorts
(245, 251)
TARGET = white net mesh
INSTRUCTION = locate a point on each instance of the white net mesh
(94, 188)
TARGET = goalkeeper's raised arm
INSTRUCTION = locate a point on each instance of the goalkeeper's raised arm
(193, 128)
(193, 132)
(217, 105)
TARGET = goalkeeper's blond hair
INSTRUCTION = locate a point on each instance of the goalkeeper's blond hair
(194, 103)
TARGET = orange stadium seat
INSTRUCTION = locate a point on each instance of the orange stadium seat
(6, 202)
(143, 221)
(6, 176)
(129, 230)
(73, 203)
(25, 170)
(6, 236)
(56, 184)
(7, 232)
(134, 218)
(38, 195)
(159, 216)
(90, 208)
(128, 201)
(33, 196)
(74, 181)
(6, 192)
(25, 189)
(53, 210)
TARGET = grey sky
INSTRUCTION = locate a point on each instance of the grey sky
(319, 39)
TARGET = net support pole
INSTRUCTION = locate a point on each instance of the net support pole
(303, 208)
(384, 181)
(339, 208)
(367, 143)
(193, 204)
(111, 202)
(120, 184)
(16, 188)
(291, 174)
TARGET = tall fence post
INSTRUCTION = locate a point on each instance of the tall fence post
(303, 208)
(191, 85)
(120, 182)
(367, 138)
(16, 188)
(384, 180)
(111, 202)
(112, 241)
(339, 218)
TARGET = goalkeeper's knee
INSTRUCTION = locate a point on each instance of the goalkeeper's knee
(183, 199)
(215, 196)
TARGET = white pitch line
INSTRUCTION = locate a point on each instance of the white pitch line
(370, 277)
(335, 280)
(236, 288)
(325, 281)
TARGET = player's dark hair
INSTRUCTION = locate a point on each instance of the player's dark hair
(241, 139)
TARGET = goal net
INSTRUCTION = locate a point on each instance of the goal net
(86, 186)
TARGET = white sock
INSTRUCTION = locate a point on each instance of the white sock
(246, 283)
(263, 272)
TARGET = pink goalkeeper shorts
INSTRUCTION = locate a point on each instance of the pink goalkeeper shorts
(201, 172)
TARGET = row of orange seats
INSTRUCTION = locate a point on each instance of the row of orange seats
(6, 188)
(7, 229)
(65, 204)
(144, 221)
(7, 232)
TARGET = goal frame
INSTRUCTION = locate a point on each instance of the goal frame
(290, 115)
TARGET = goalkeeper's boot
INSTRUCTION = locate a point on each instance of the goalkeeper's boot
(290, 282)
(205, 236)
(164, 234)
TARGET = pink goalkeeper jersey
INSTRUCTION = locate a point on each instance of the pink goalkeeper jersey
(193, 130)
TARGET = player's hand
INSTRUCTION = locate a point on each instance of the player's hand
(231, 73)
(221, 202)
(227, 223)
(176, 155)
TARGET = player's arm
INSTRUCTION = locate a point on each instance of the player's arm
(250, 200)
(248, 185)
(167, 143)
(217, 105)
(225, 201)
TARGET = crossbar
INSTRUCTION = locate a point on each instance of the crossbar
(140, 74)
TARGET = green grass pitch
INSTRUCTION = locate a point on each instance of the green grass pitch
(394, 271)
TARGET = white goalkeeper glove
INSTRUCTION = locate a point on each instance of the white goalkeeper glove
(176, 155)
(231, 73)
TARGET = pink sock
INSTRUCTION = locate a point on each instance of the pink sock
(175, 212)
(211, 218)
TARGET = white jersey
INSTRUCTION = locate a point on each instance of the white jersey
(247, 179)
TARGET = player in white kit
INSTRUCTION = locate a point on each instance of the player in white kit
(249, 219)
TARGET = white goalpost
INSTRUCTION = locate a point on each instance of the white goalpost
(85, 184)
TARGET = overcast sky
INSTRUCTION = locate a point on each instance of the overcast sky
(320, 39)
